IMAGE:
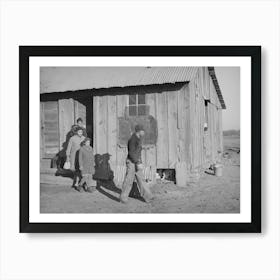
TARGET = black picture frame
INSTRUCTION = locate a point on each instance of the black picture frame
(25, 52)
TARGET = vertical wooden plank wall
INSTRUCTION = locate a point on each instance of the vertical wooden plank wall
(42, 134)
(122, 102)
(215, 123)
(221, 130)
(95, 114)
(106, 111)
(191, 86)
(182, 125)
(170, 109)
(172, 119)
(112, 130)
(66, 118)
(180, 116)
(162, 120)
(151, 156)
(204, 146)
(50, 129)
(101, 125)
(196, 142)
(207, 136)
(211, 121)
(201, 115)
(197, 120)
(187, 125)
(206, 82)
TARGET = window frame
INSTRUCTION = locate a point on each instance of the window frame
(137, 105)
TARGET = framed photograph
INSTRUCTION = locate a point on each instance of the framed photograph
(140, 139)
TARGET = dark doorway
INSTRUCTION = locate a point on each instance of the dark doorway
(86, 114)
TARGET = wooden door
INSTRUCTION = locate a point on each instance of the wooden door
(49, 129)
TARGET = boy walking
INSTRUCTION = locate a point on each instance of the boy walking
(135, 167)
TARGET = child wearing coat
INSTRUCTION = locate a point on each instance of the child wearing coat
(86, 165)
(72, 152)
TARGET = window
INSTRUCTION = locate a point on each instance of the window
(137, 105)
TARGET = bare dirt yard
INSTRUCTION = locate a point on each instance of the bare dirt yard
(210, 194)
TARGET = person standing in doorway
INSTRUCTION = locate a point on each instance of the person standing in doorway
(72, 154)
(135, 167)
(79, 124)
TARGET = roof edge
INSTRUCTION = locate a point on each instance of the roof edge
(212, 74)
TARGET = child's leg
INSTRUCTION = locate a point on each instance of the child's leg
(76, 179)
(89, 187)
(91, 182)
(83, 180)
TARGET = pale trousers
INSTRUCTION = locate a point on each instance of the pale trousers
(131, 174)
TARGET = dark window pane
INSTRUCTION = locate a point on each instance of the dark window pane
(132, 110)
(141, 99)
(132, 99)
(141, 110)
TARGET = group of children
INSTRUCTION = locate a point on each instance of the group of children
(79, 154)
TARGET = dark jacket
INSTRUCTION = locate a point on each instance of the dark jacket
(86, 160)
(134, 149)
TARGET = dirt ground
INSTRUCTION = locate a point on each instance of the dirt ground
(210, 194)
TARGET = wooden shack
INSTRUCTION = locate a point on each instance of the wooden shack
(180, 106)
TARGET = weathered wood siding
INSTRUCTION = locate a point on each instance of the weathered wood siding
(66, 119)
(205, 146)
(180, 115)
(49, 129)
(196, 158)
(169, 108)
(106, 111)
(57, 118)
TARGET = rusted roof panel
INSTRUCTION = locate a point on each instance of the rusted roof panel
(60, 79)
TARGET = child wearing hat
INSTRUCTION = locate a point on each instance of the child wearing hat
(86, 164)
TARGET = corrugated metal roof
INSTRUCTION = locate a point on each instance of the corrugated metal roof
(60, 79)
